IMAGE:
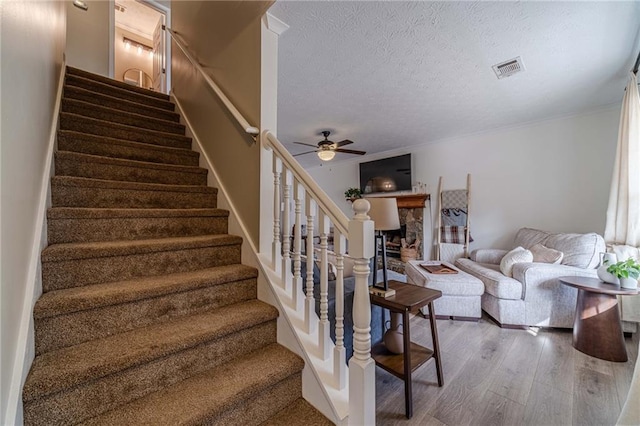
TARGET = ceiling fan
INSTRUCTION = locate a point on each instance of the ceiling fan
(327, 149)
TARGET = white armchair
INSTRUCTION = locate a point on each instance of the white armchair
(534, 296)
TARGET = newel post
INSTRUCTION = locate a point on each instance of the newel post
(362, 375)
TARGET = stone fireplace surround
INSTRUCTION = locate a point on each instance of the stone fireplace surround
(411, 213)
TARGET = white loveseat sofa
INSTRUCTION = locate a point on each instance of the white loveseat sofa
(534, 296)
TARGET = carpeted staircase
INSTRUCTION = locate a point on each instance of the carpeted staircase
(148, 315)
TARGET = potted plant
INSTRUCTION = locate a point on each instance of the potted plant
(352, 194)
(627, 272)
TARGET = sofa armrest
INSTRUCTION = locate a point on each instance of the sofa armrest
(492, 256)
(529, 273)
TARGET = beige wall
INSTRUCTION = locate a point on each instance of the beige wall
(33, 34)
(225, 36)
(88, 36)
(125, 59)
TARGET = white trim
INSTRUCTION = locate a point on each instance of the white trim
(112, 38)
(274, 24)
(166, 11)
(25, 345)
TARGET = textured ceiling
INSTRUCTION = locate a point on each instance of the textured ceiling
(392, 74)
(137, 18)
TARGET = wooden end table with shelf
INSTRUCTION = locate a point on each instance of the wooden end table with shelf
(408, 299)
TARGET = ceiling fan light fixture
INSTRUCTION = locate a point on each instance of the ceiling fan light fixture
(326, 154)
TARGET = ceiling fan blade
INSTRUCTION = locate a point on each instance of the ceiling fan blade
(342, 143)
(307, 144)
(302, 153)
(350, 151)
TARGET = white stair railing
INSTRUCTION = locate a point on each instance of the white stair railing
(297, 197)
(350, 390)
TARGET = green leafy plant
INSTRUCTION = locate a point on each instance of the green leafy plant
(629, 268)
(352, 193)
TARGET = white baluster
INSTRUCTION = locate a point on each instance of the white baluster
(340, 353)
(324, 338)
(286, 230)
(297, 290)
(310, 317)
(276, 246)
(362, 397)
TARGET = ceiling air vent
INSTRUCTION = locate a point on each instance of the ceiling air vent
(508, 68)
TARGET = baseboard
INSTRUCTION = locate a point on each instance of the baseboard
(25, 347)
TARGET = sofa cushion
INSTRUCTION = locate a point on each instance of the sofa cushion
(517, 255)
(495, 282)
(544, 254)
(529, 237)
(580, 250)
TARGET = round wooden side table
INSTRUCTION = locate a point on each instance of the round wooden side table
(596, 325)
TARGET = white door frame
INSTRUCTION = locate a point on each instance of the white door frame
(166, 11)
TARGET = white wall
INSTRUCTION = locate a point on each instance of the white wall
(553, 175)
(88, 35)
(33, 35)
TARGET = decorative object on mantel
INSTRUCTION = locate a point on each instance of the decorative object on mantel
(627, 271)
(606, 260)
(352, 194)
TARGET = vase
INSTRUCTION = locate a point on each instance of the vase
(393, 338)
(629, 283)
(606, 260)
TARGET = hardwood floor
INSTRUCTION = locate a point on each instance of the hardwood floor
(496, 376)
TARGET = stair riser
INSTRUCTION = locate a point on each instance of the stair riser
(67, 330)
(87, 230)
(95, 397)
(79, 272)
(262, 406)
(112, 130)
(71, 92)
(97, 170)
(121, 117)
(69, 196)
(97, 145)
(116, 92)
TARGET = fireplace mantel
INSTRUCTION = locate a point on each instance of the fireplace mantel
(409, 201)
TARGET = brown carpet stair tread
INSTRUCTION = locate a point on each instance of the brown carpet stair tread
(200, 398)
(90, 213)
(120, 92)
(80, 123)
(100, 112)
(69, 140)
(63, 368)
(114, 83)
(60, 302)
(73, 251)
(300, 413)
(99, 159)
(117, 184)
(79, 93)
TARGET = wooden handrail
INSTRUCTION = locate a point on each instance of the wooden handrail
(339, 219)
(252, 130)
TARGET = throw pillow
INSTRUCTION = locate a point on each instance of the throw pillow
(545, 254)
(517, 255)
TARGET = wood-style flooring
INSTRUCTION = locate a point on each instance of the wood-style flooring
(496, 376)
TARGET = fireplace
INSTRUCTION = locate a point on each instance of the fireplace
(411, 215)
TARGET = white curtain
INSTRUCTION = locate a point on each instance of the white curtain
(623, 213)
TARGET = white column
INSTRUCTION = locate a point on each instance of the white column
(310, 317)
(297, 290)
(339, 358)
(324, 337)
(286, 230)
(276, 245)
(362, 395)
